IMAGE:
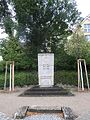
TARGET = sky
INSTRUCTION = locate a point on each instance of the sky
(82, 5)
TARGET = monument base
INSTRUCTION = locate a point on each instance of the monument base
(41, 86)
(37, 91)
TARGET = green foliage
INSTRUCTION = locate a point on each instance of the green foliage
(31, 78)
(11, 50)
(45, 25)
(4, 11)
(27, 64)
(77, 45)
(21, 79)
(2, 66)
(7, 18)
(88, 56)
(25, 78)
(64, 61)
(66, 77)
(41, 24)
(44, 22)
(2, 77)
(9, 26)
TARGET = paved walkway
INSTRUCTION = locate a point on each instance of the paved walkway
(10, 102)
(85, 116)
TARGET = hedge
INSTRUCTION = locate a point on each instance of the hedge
(31, 78)
(21, 79)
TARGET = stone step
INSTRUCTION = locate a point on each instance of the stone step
(49, 91)
(54, 91)
(64, 113)
(68, 113)
(56, 88)
(44, 93)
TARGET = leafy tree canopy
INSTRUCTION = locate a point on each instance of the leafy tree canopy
(77, 45)
(11, 50)
(41, 24)
(4, 11)
(45, 23)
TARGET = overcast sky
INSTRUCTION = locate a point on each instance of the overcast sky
(82, 5)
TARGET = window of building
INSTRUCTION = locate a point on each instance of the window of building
(87, 37)
(86, 27)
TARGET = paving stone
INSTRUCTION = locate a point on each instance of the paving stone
(68, 113)
(84, 117)
(21, 112)
(45, 107)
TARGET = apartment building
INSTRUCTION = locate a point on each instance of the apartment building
(86, 27)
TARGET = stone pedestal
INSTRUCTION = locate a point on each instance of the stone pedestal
(46, 69)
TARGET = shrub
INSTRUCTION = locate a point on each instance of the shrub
(21, 79)
(66, 77)
(31, 78)
(25, 78)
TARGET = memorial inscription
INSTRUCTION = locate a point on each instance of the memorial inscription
(46, 69)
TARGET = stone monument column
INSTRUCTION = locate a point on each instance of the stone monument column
(46, 69)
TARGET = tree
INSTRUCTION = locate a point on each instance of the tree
(64, 61)
(45, 23)
(42, 24)
(11, 50)
(4, 11)
(7, 22)
(77, 45)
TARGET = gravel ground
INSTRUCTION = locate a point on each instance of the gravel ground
(44, 117)
(85, 116)
(4, 117)
(10, 102)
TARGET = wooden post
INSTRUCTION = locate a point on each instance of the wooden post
(10, 77)
(5, 77)
(78, 74)
(13, 76)
(81, 76)
(86, 74)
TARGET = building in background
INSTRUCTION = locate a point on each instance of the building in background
(86, 27)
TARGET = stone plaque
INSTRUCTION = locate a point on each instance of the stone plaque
(46, 69)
